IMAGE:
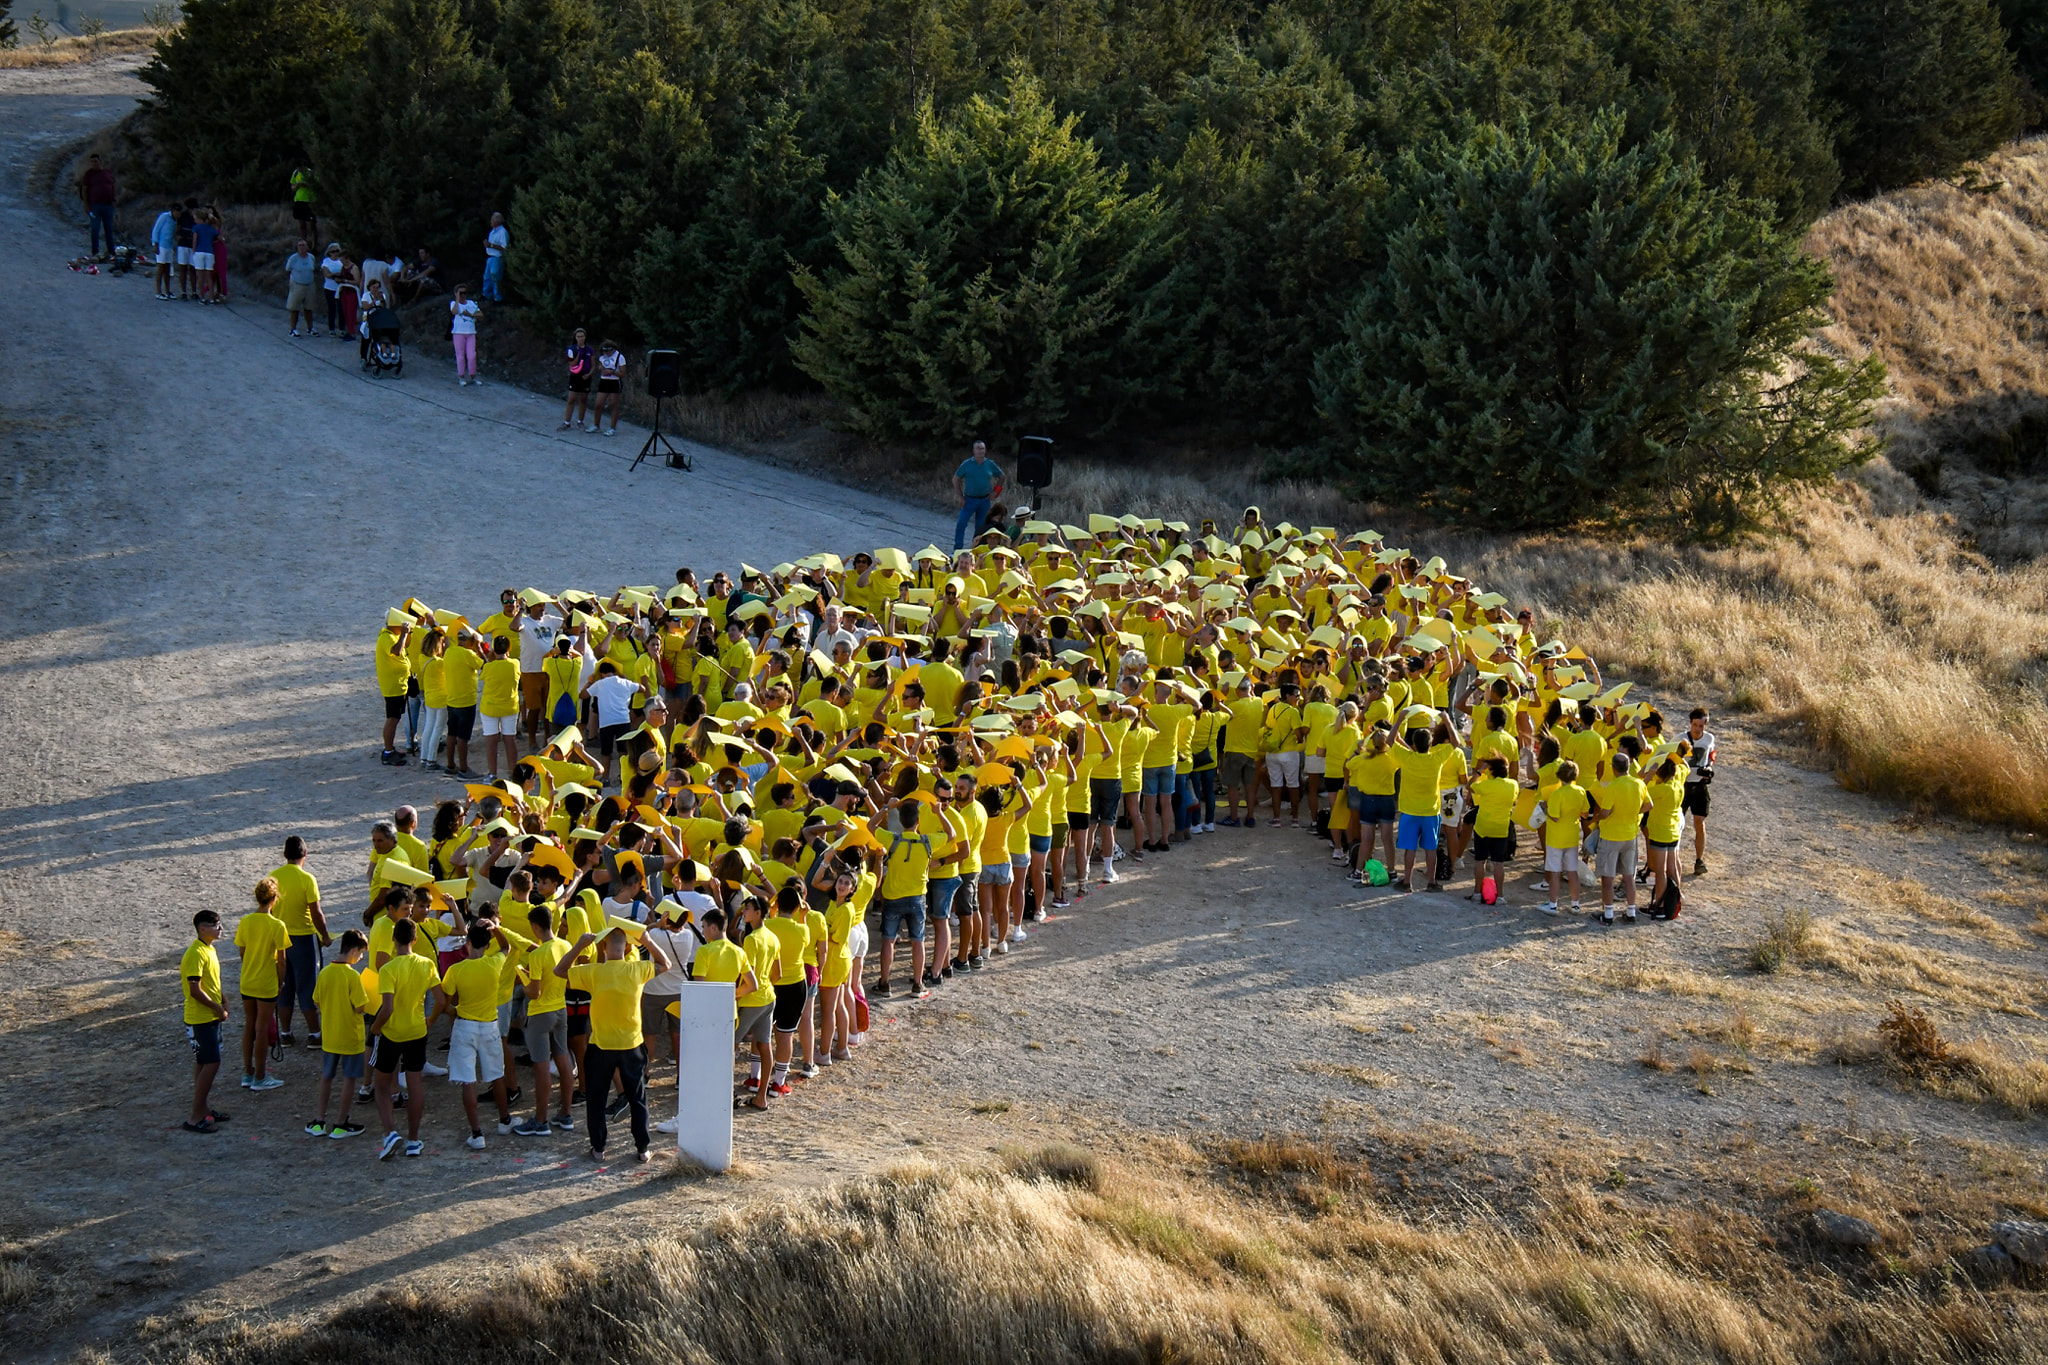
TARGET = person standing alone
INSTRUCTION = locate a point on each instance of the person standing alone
(462, 332)
(495, 243)
(96, 191)
(976, 482)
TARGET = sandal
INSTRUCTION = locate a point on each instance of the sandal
(203, 1126)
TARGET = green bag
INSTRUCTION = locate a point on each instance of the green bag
(1376, 872)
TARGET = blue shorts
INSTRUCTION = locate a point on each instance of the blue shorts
(205, 1040)
(1158, 781)
(1041, 843)
(903, 912)
(301, 969)
(939, 897)
(996, 874)
(1417, 831)
(1105, 799)
(348, 1065)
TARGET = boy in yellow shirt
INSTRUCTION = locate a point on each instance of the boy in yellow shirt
(401, 1032)
(614, 983)
(340, 995)
(199, 977)
(1563, 806)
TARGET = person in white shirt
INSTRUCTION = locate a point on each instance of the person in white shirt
(611, 372)
(495, 243)
(538, 630)
(614, 697)
(332, 267)
(832, 632)
(1699, 773)
(462, 315)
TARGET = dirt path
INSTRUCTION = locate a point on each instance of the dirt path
(201, 523)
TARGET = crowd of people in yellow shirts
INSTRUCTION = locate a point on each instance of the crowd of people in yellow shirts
(759, 779)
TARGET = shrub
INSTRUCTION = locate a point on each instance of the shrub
(993, 275)
(1785, 938)
(1570, 325)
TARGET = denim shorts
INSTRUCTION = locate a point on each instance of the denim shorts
(998, 874)
(1374, 810)
(1158, 781)
(345, 1064)
(939, 897)
(1041, 843)
(904, 912)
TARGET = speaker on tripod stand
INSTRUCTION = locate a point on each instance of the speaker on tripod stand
(664, 381)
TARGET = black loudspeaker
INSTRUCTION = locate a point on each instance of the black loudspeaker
(1034, 462)
(664, 374)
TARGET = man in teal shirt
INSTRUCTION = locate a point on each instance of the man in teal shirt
(976, 482)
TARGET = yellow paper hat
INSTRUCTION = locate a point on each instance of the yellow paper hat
(892, 559)
(395, 869)
(1099, 524)
(396, 619)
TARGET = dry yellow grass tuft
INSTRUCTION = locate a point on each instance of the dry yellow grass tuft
(971, 1267)
(1979, 1071)
(82, 48)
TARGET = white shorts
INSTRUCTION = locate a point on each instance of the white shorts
(857, 941)
(498, 725)
(1314, 764)
(1560, 859)
(476, 1056)
(202, 260)
(1284, 770)
(184, 255)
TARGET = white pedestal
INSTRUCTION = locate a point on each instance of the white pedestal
(704, 1074)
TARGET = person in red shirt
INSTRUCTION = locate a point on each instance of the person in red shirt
(97, 191)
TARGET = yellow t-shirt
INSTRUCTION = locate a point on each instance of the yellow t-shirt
(941, 684)
(1667, 820)
(564, 673)
(837, 962)
(1494, 799)
(720, 959)
(458, 674)
(1372, 774)
(296, 891)
(501, 687)
(406, 979)
(473, 984)
(1622, 798)
(760, 947)
(393, 671)
(907, 865)
(792, 937)
(339, 996)
(1562, 809)
(1167, 716)
(201, 961)
(1419, 777)
(1280, 722)
(260, 938)
(614, 1000)
(545, 991)
(433, 683)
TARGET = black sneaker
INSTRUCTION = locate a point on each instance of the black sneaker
(512, 1095)
(946, 972)
(616, 1107)
(976, 962)
(576, 1097)
(931, 980)
(882, 990)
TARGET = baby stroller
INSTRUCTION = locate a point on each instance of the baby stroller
(384, 352)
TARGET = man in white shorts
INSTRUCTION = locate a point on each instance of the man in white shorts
(476, 1055)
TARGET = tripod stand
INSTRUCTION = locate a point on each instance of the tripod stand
(658, 444)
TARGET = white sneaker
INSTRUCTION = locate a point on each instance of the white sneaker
(477, 380)
(592, 428)
(1548, 907)
(1017, 934)
(504, 1127)
(668, 1125)
(1209, 828)
(431, 1070)
(464, 383)
(475, 1142)
(1109, 877)
(392, 1142)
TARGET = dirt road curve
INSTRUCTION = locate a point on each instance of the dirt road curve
(201, 523)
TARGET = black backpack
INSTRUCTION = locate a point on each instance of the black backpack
(1668, 905)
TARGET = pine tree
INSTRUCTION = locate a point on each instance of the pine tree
(993, 273)
(1922, 86)
(418, 142)
(1567, 326)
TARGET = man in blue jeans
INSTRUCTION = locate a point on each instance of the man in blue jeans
(97, 189)
(976, 482)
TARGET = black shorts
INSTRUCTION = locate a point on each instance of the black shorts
(1077, 819)
(461, 722)
(579, 383)
(302, 209)
(577, 1004)
(789, 1005)
(409, 1056)
(394, 708)
(1697, 799)
(608, 737)
(1488, 848)
(607, 386)
(259, 999)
